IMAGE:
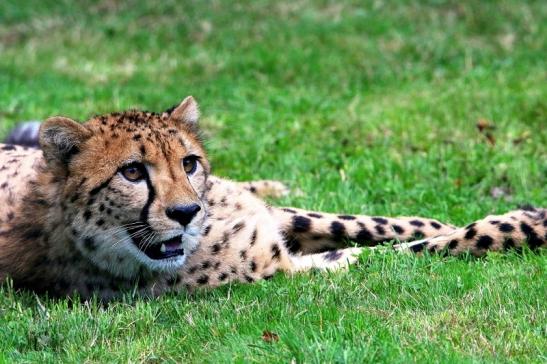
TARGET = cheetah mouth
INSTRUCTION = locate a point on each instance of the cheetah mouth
(170, 248)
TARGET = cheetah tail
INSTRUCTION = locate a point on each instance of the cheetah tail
(25, 134)
(497, 233)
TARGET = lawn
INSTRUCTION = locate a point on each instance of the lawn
(370, 109)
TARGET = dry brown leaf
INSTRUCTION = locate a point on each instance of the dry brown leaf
(484, 124)
(486, 127)
(269, 336)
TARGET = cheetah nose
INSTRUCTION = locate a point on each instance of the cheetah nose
(183, 214)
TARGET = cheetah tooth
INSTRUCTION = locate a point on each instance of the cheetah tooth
(163, 248)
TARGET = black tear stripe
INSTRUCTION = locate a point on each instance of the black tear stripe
(151, 196)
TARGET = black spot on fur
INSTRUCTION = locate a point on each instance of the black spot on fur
(252, 265)
(380, 230)
(494, 222)
(293, 245)
(506, 228)
(253, 237)
(222, 276)
(338, 230)
(202, 280)
(398, 229)
(314, 215)
(100, 222)
(248, 278)
(532, 237)
(346, 217)
(276, 252)
(237, 227)
(207, 230)
(435, 225)
(243, 254)
(418, 234)
(380, 220)
(8, 147)
(301, 224)
(484, 242)
(87, 215)
(225, 238)
(289, 211)
(417, 223)
(470, 234)
(215, 248)
(205, 265)
(453, 244)
(364, 237)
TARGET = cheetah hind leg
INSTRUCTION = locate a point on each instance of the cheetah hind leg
(333, 260)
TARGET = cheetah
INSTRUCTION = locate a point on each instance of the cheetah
(125, 202)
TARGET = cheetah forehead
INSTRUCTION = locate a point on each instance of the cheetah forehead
(142, 126)
(143, 134)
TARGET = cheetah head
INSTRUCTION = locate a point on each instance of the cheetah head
(132, 186)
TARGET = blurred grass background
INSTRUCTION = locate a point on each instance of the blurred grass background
(434, 108)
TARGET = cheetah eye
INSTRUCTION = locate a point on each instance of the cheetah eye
(190, 164)
(133, 172)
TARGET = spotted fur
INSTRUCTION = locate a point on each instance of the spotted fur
(72, 223)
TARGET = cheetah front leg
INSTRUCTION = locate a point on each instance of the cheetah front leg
(312, 232)
(496, 233)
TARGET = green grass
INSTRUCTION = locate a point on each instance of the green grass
(366, 109)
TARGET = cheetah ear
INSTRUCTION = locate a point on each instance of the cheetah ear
(61, 138)
(187, 111)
